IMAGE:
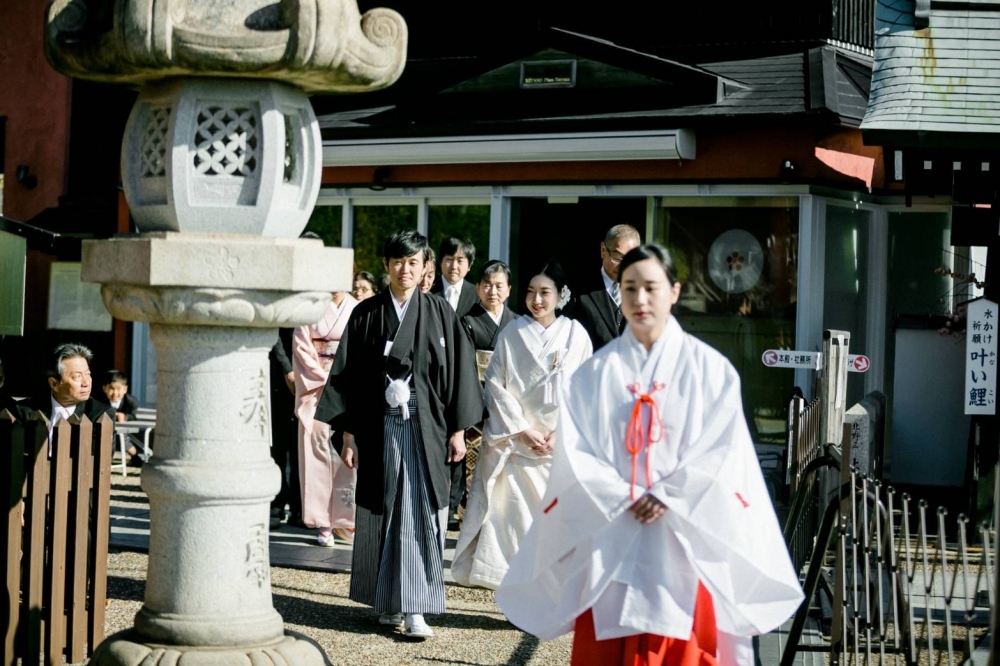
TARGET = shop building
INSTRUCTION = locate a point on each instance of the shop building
(731, 134)
(751, 169)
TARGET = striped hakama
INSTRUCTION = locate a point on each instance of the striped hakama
(398, 561)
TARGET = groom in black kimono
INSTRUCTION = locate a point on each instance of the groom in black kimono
(403, 389)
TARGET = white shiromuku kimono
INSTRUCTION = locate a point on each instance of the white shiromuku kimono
(522, 387)
(585, 549)
(327, 484)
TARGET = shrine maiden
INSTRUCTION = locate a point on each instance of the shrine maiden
(656, 539)
(533, 355)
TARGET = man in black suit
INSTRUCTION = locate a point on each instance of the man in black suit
(598, 308)
(457, 256)
(70, 385)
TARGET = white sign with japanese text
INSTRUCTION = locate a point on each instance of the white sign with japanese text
(783, 358)
(981, 358)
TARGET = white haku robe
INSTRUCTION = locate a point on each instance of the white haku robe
(586, 550)
(509, 482)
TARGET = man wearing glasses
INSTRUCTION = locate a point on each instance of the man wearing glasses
(599, 309)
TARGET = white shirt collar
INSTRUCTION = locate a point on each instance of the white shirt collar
(401, 309)
(609, 286)
(608, 282)
(118, 404)
(496, 319)
(452, 293)
(59, 412)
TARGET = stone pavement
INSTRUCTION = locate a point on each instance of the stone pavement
(310, 587)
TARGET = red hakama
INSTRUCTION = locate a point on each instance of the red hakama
(649, 649)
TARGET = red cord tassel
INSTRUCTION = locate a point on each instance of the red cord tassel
(638, 438)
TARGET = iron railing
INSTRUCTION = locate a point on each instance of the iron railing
(904, 592)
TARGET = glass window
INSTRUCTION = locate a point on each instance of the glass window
(326, 222)
(927, 442)
(919, 243)
(845, 293)
(738, 264)
(472, 222)
(372, 227)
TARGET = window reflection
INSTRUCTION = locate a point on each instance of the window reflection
(738, 263)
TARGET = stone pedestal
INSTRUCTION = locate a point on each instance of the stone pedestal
(222, 140)
(211, 480)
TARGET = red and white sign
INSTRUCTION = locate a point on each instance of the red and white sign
(858, 363)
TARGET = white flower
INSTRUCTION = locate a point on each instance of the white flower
(564, 295)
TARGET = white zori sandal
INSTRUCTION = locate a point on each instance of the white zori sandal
(415, 627)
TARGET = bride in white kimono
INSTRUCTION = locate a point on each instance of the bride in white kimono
(656, 540)
(533, 355)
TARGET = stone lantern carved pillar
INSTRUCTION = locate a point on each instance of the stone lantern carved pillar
(221, 166)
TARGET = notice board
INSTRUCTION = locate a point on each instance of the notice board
(75, 305)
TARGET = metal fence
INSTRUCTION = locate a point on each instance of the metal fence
(57, 524)
(907, 585)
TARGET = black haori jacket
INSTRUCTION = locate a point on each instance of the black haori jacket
(430, 344)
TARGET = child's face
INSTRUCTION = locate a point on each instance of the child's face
(115, 391)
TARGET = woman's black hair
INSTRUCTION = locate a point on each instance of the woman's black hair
(553, 271)
(404, 244)
(650, 251)
(368, 277)
(493, 267)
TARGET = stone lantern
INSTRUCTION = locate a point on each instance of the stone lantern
(221, 167)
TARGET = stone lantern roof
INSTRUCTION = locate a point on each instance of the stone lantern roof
(320, 46)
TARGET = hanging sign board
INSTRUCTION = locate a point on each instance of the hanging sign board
(981, 358)
(783, 358)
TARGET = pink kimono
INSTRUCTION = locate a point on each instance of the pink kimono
(327, 484)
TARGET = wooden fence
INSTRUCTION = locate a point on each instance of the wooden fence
(55, 561)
